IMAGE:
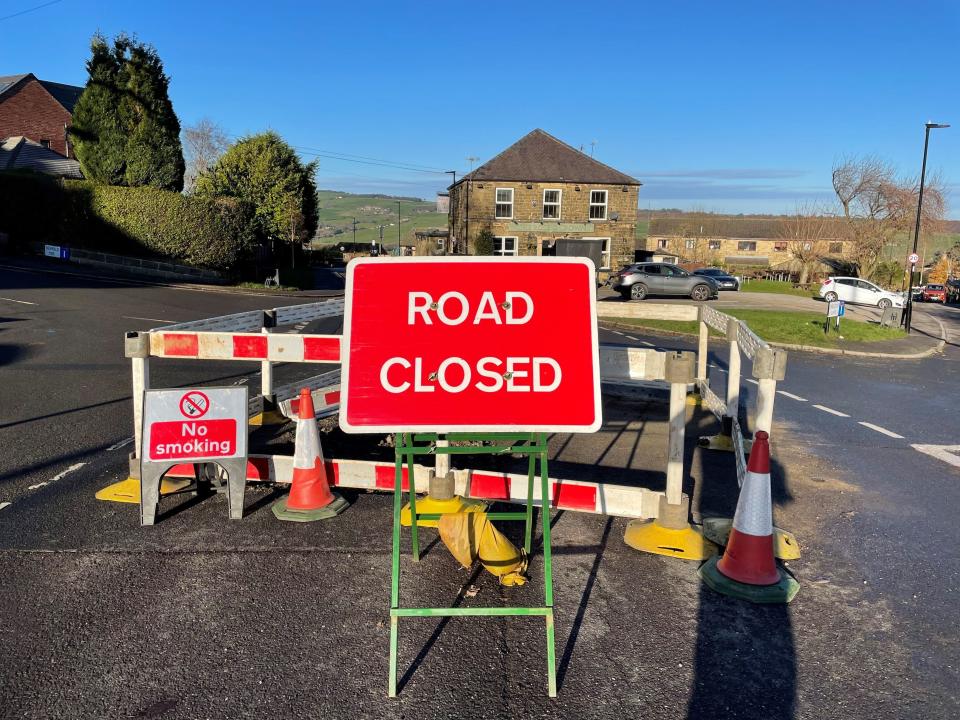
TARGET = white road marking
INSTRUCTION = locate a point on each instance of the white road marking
(616, 332)
(117, 446)
(4, 505)
(831, 411)
(631, 337)
(160, 320)
(55, 478)
(751, 380)
(791, 396)
(648, 344)
(22, 302)
(882, 431)
(947, 453)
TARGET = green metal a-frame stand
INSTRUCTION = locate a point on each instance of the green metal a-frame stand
(534, 446)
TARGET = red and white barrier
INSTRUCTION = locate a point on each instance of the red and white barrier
(246, 346)
(578, 495)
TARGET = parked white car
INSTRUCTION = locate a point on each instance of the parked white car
(860, 292)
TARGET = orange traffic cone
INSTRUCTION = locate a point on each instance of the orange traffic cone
(748, 569)
(310, 496)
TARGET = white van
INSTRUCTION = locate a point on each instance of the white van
(860, 292)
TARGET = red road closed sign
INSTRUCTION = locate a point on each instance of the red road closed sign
(470, 344)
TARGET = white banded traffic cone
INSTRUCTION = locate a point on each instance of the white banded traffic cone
(748, 569)
(310, 496)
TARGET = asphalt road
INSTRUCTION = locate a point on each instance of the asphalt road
(201, 617)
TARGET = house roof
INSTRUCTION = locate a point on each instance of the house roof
(540, 157)
(66, 95)
(19, 153)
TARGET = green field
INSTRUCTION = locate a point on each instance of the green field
(927, 248)
(338, 209)
(793, 328)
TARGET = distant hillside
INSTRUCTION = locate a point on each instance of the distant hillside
(337, 211)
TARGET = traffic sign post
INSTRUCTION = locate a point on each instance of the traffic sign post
(495, 352)
(835, 309)
(193, 426)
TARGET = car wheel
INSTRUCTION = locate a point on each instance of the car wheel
(700, 292)
(638, 291)
(884, 303)
(830, 297)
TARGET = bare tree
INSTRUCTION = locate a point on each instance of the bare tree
(205, 142)
(806, 233)
(877, 205)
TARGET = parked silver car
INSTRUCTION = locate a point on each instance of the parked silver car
(637, 281)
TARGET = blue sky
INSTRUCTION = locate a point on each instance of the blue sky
(734, 106)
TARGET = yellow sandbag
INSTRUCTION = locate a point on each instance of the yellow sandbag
(470, 536)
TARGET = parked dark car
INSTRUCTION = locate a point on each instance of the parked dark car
(725, 281)
(637, 281)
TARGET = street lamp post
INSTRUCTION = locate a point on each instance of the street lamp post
(453, 206)
(908, 313)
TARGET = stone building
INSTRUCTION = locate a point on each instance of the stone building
(540, 190)
(739, 243)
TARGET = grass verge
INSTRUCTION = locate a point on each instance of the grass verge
(263, 288)
(777, 287)
(794, 328)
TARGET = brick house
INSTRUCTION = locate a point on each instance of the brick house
(38, 110)
(540, 190)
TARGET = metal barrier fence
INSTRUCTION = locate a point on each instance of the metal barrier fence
(252, 337)
(768, 365)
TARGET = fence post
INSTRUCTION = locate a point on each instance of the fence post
(671, 533)
(702, 348)
(678, 371)
(266, 367)
(769, 366)
(733, 369)
(136, 346)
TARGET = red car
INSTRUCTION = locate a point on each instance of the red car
(934, 293)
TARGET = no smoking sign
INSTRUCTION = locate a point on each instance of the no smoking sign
(194, 404)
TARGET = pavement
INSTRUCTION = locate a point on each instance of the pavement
(202, 617)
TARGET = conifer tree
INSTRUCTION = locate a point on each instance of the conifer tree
(125, 131)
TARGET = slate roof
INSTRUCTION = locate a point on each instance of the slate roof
(66, 95)
(540, 157)
(19, 153)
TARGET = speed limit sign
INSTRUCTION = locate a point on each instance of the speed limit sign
(913, 258)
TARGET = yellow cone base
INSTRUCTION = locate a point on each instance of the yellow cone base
(785, 544)
(282, 512)
(428, 504)
(686, 543)
(128, 491)
(716, 442)
(270, 417)
(694, 400)
(782, 592)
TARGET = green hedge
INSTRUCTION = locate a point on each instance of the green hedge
(141, 221)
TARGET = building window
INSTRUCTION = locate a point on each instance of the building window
(836, 247)
(691, 244)
(45, 143)
(551, 204)
(598, 204)
(503, 246)
(663, 244)
(780, 246)
(747, 245)
(713, 244)
(504, 209)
